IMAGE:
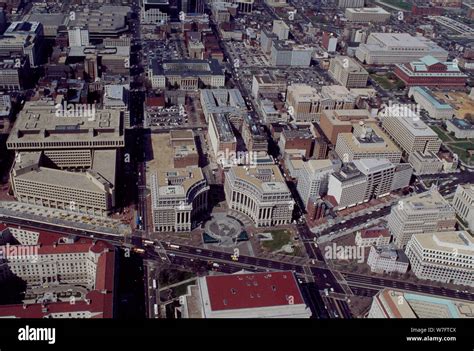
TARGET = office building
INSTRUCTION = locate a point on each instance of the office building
(367, 140)
(374, 236)
(462, 128)
(389, 303)
(259, 192)
(367, 15)
(23, 39)
(226, 101)
(188, 74)
(281, 29)
(436, 108)
(350, 3)
(254, 135)
(463, 204)
(393, 48)
(50, 264)
(334, 122)
(347, 72)
(446, 257)
(300, 140)
(306, 104)
(179, 191)
(287, 53)
(104, 22)
(14, 73)
(245, 295)
(409, 132)
(313, 179)
(387, 259)
(78, 36)
(360, 181)
(267, 84)
(425, 163)
(421, 213)
(431, 72)
(50, 141)
(221, 135)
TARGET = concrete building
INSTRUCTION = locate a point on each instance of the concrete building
(378, 236)
(333, 122)
(50, 141)
(78, 36)
(463, 204)
(436, 108)
(313, 179)
(425, 163)
(281, 29)
(254, 135)
(462, 128)
(446, 257)
(306, 104)
(227, 101)
(360, 181)
(287, 53)
(267, 84)
(51, 263)
(260, 193)
(367, 140)
(104, 22)
(189, 74)
(179, 191)
(389, 303)
(387, 260)
(296, 139)
(14, 73)
(23, 39)
(409, 132)
(245, 295)
(421, 213)
(347, 72)
(52, 22)
(431, 72)
(393, 48)
(367, 15)
(221, 135)
(350, 3)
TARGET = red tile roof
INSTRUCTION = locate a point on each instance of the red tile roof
(237, 291)
(374, 233)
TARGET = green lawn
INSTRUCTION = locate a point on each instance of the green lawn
(441, 134)
(383, 81)
(280, 237)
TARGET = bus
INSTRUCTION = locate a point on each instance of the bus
(174, 246)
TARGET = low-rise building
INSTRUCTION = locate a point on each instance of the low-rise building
(462, 128)
(348, 72)
(425, 163)
(387, 260)
(378, 236)
(436, 108)
(367, 14)
(245, 295)
(334, 122)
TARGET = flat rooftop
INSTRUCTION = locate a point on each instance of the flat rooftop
(460, 241)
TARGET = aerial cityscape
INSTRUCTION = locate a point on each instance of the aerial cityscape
(199, 159)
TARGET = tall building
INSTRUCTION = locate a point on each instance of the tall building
(360, 181)
(221, 135)
(347, 72)
(313, 179)
(261, 193)
(23, 39)
(393, 48)
(421, 213)
(179, 191)
(245, 295)
(409, 132)
(51, 140)
(281, 29)
(389, 303)
(463, 204)
(446, 257)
